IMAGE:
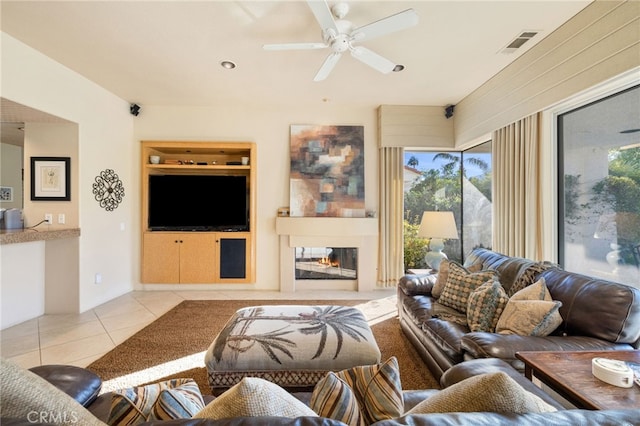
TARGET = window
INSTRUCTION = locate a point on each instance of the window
(476, 198)
(599, 188)
(447, 181)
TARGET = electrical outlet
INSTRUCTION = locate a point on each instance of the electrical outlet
(61, 218)
(48, 218)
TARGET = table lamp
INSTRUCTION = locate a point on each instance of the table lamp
(437, 226)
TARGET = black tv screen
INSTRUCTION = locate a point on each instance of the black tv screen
(198, 203)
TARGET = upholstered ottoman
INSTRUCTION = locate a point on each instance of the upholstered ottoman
(290, 345)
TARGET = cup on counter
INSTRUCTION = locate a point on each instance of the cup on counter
(154, 159)
(245, 161)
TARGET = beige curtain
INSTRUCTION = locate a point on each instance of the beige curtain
(517, 213)
(390, 243)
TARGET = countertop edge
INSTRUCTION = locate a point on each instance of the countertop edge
(30, 235)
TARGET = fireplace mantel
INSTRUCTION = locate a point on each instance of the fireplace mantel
(360, 233)
(326, 226)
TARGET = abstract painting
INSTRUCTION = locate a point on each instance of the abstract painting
(327, 171)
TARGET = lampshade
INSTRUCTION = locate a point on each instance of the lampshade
(438, 225)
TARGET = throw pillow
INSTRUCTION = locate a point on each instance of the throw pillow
(334, 399)
(460, 283)
(31, 399)
(529, 318)
(485, 306)
(530, 312)
(171, 399)
(443, 274)
(491, 392)
(376, 388)
(254, 397)
(535, 291)
(529, 275)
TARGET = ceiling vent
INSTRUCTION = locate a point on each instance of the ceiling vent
(519, 41)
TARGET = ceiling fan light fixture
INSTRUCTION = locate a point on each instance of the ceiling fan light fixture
(398, 68)
(229, 65)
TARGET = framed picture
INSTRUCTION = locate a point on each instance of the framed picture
(6, 193)
(50, 179)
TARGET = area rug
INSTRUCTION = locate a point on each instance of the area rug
(174, 345)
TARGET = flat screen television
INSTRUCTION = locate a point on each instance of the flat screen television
(198, 203)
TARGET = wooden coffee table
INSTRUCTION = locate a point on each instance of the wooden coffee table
(569, 374)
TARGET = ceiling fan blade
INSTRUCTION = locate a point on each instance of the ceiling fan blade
(323, 15)
(327, 66)
(390, 24)
(294, 46)
(372, 59)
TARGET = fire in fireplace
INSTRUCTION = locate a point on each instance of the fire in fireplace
(326, 263)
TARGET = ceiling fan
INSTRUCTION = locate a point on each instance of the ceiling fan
(340, 35)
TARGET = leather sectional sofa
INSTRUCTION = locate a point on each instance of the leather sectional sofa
(84, 387)
(596, 315)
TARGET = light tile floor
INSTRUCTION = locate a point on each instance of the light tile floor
(80, 339)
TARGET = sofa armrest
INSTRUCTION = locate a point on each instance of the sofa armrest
(413, 285)
(79, 383)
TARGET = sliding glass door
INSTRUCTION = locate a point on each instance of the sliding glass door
(599, 184)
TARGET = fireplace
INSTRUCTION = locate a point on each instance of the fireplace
(352, 239)
(326, 263)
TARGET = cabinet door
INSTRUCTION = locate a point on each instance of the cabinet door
(197, 258)
(234, 257)
(161, 258)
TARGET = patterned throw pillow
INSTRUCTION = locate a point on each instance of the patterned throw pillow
(334, 399)
(377, 390)
(443, 274)
(172, 399)
(529, 318)
(529, 275)
(460, 283)
(492, 392)
(530, 312)
(485, 306)
(254, 397)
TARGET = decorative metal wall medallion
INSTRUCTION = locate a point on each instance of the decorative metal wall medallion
(108, 190)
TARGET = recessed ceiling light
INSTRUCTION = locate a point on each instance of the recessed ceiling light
(228, 65)
(398, 68)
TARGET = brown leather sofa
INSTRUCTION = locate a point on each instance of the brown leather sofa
(84, 386)
(597, 315)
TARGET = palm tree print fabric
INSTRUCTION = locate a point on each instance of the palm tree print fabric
(286, 337)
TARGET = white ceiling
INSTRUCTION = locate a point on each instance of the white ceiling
(168, 53)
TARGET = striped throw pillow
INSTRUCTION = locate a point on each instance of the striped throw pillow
(377, 390)
(334, 399)
(171, 399)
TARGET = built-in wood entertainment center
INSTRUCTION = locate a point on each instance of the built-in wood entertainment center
(202, 244)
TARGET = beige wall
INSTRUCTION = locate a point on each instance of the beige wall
(413, 126)
(599, 43)
(269, 127)
(104, 140)
(51, 140)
